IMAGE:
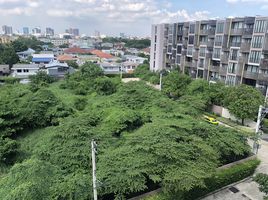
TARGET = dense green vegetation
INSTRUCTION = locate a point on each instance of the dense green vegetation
(8, 51)
(130, 43)
(145, 139)
(262, 179)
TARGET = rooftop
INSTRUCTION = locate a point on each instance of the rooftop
(76, 50)
(101, 54)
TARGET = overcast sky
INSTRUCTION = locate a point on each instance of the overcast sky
(110, 17)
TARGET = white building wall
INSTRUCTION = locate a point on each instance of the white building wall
(157, 47)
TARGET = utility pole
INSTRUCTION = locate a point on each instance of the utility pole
(94, 178)
(161, 75)
(263, 111)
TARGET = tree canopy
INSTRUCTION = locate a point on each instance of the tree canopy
(243, 101)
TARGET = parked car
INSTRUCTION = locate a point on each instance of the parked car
(211, 120)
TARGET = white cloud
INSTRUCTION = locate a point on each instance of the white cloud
(108, 13)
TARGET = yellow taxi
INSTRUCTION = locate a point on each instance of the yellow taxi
(211, 120)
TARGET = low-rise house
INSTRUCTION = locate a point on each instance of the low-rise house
(23, 55)
(65, 58)
(23, 71)
(107, 45)
(130, 67)
(57, 69)
(101, 55)
(134, 59)
(42, 58)
(4, 70)
(76, 51)
(111, 68)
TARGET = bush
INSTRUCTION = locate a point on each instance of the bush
(104, 86)
(224, 177)
(262, 180)
(80, 103)
(9, 80)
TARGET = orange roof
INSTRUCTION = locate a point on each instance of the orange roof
(65, 57)
(76, 50)
(147, 50)
(101, 54)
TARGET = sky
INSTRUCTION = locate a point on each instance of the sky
(110, 17)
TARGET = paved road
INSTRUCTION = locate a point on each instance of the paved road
(247, 190)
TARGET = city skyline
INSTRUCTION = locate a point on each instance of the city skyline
(112, 17)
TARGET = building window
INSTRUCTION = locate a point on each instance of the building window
(260, 26)
(237, 25)
(232, 68)
(235, 41)
(189, 51)
(201, 63)
(192, 28)
(257, 42)
(179, 48)
(252, 68)
(191, 39)
(203, 39)
(255, 56)
(218, 40)
(230, 80)
(219, 28)
(234, 54)
(202, 52)
(19, 70)
(217, 53)
(178, 59)
(155, 39)
(26, 70)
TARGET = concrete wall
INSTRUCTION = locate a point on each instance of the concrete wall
(224, 112)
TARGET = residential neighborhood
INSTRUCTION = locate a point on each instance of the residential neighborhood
(133, 100)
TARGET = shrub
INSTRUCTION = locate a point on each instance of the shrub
(9, 80)
(104, 86)
(224, 177)
(80, 103)
(262, 179)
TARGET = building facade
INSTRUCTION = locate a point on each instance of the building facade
(7, 30)
(233, 50)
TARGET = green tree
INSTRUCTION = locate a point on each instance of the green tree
(175, 84)
(90, 70)
(39, 80)
(9, 56)
(73, 64)
(243, 101)
(104, 86)
(19, 45)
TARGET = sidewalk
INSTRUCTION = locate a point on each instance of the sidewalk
(247, 190)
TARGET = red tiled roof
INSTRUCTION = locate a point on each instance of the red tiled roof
(76, 50)
(101, 54)
(65, 58)
(147, 50)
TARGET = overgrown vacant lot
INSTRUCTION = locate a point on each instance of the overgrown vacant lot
(145, 140)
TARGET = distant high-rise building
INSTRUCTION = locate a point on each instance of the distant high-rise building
(72, 31)
(36, 30)
(49, 31)
(7, 30)
(97, 34)
(25, 31)
(122, 35)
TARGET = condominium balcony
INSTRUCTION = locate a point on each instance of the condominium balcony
(235, 44)
(195, 55)
(243, 59)
(207, 32)
(191, 64)
(263, 77)
(264, 63)
(250, 75)
(224, 58)
(218, 44)
(209, 55)
(238, 31)
(245, 47)
(248, 32)
(180, 32)
(223, 70)
(214, 68)
(185, 32)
